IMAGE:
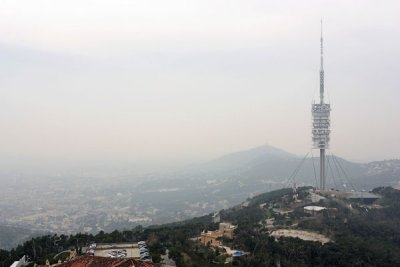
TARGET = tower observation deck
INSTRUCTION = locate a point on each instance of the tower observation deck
(321, 122)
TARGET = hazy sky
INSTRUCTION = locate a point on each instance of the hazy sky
(186, 81)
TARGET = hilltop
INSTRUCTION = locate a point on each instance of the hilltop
(226, 181)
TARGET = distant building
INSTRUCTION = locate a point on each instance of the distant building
(269, 223)
(282, 211)
(211, 237)
(227, 229)
(216, 218)
(313, 210)
(362, 197)
(315, 197)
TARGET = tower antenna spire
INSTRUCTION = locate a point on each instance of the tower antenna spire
(322, 49)
(321, 71)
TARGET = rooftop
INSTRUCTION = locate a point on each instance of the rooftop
(314, 208)
(131, 250)
(362, 195)
(94, 261)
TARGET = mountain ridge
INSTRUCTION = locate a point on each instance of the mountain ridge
(229, 179)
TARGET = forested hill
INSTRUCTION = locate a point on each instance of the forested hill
(361, 235)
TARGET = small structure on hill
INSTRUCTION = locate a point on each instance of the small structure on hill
(212, 237)
(362, 197)
(282, 211)
(314, 210)
(315, 197)
(216, 218)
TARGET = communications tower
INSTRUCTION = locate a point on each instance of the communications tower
(321, 123)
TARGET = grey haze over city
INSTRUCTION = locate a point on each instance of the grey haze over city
(120, 114)
(155, 84)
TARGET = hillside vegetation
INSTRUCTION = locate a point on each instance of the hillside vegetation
(361, 235)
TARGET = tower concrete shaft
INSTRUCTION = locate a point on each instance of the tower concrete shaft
(322, 171)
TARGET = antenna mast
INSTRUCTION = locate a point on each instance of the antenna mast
(321, 71)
